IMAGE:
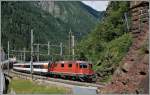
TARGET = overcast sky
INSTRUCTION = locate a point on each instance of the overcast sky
(97, 5)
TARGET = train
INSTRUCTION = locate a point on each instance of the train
(74, 70)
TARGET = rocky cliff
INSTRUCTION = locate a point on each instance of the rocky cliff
(132, 75)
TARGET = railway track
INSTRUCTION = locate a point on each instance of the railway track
(70, 82)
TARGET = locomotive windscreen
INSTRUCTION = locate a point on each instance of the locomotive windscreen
(83, 65)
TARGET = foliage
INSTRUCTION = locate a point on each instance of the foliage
(109, 41)
(114, 52)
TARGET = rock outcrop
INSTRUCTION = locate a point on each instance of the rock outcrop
(132, 74)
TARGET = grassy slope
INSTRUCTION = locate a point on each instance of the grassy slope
(26, 86)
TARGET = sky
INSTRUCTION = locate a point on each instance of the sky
(97, 5)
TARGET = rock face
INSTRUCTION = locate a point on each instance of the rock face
(51, 7)
(63, 9)
(132, 75)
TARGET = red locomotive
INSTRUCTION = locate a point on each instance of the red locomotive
(72, 69)
(77, 70)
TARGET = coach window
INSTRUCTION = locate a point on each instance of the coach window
(27, 66)
(41, 66)
(35, 66)
(69, 65)
(62, 65)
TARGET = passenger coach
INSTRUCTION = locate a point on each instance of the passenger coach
(38, 67)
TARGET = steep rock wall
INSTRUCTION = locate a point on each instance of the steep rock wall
(132, 75)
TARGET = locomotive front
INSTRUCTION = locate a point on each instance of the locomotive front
(86, 73)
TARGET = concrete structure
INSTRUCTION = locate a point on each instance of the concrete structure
(2, 81)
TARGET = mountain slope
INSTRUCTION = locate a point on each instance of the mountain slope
(106, 45)
(48, 22)
(97, 14)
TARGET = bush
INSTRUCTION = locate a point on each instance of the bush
(110, 58)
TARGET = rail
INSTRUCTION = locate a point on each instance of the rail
(70, 82)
